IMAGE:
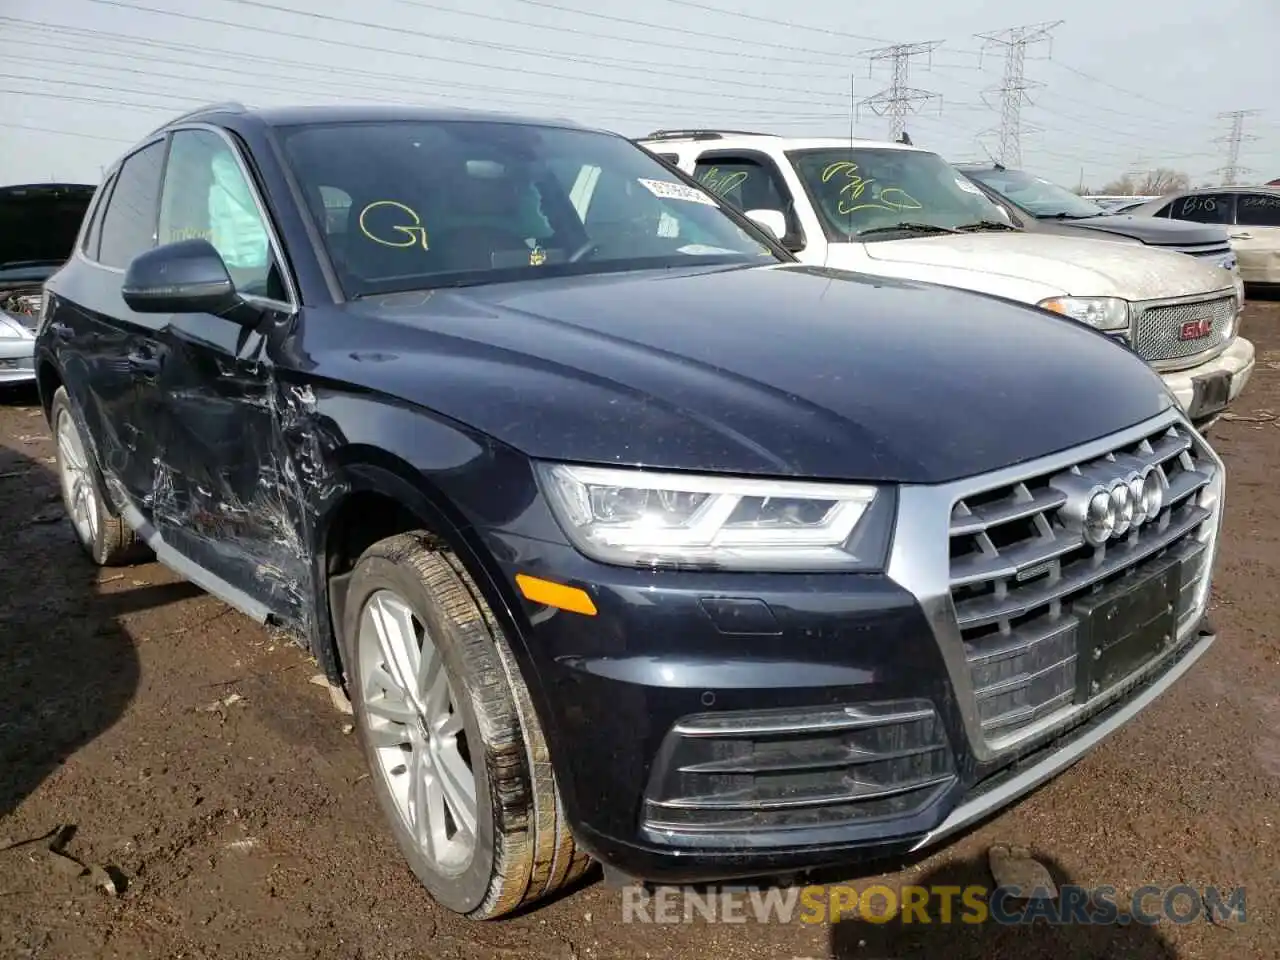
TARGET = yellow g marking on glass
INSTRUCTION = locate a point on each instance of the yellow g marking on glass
(415, 232)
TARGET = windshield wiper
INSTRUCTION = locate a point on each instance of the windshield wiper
(907, 227)
(984, 225)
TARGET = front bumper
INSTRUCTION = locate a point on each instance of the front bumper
(1205, 391)
(711, 726)
(17, 360)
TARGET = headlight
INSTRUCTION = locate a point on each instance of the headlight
(1102, 313)
(638, 518)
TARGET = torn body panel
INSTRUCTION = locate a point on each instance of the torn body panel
(239, 465)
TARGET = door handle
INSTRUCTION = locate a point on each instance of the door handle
(145, 365)
(1242, 236)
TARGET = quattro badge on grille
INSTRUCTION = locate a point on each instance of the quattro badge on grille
(1196, 329)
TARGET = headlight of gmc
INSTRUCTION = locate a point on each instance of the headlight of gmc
(643, 519)
(1110, 314)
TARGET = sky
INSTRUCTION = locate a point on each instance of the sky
(1114, 87)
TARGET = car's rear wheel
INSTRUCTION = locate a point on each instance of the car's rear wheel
(457, 757)
(107, 539)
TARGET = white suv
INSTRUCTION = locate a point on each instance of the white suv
(899, 211)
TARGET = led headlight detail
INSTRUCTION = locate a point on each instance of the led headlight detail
(1102, 313)
(638, 518)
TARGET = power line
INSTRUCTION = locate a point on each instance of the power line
(379, 92)
(96, 36)
(612, 37)
(66, 133)
(792, 25)
(807, 51)
(345, 81)
(1231, 170)
(349, 45)
(899, 98)
(1013, 90)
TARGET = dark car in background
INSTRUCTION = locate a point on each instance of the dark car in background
(627, 535)
(38, 227)
(1038, 204)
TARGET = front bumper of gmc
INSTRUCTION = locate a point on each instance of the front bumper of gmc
(711, 726)
(1206, 390)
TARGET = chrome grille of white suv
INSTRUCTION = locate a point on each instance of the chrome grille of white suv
(1023, 581)
(1160, 329)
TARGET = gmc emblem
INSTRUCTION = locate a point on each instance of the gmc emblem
(1195, 329)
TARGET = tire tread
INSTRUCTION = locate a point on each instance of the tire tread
(535, 854)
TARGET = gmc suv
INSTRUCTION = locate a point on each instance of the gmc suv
(627, 536)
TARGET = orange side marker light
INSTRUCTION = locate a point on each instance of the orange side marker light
(557, 595)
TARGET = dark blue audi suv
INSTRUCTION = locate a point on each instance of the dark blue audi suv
(626, 536)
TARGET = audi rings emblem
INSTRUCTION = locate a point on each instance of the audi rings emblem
(1102, 510)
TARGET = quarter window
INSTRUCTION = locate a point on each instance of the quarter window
(93, 236)
(206, 196)
(129, 225)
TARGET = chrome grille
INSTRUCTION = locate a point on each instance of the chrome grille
(1016, 569)
(1158, 327)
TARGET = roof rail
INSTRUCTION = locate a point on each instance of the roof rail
(226, 106)
(701, 134)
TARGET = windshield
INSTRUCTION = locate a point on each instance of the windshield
(1039, 196)
(857, 191)
(406, 205)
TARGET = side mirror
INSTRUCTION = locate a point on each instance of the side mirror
(184, 277)
(773, 221)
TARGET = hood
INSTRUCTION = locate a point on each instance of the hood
(1078, 267)
(1154, 231)
(39, 222)
(787, 370)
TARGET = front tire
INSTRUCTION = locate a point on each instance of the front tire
(457, 757)
(108, 540)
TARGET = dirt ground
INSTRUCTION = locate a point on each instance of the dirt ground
(190, 763)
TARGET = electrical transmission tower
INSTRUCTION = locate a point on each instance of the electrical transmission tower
(1013, 89)
(899, 98)
(1231, 170)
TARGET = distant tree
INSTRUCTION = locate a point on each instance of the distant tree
(1153, 183)
(1123, 187)
(1162, 180)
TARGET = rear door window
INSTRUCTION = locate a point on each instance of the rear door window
(1205, 208)
(1258, 210)
(748, 183)
(129, 224)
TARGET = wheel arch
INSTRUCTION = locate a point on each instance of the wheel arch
(48, 380)
(385, 495)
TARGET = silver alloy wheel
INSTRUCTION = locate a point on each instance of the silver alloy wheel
(77, 479)
(417, 735)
